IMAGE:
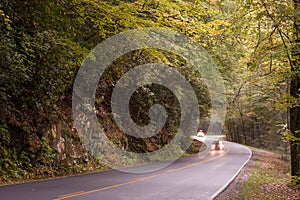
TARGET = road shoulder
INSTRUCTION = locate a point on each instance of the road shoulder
(265, 175)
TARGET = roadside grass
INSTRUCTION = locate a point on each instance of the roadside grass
(269, 178)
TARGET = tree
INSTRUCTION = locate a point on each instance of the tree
(295, 92)
(42, 46)
(271, 37)
(260, 76)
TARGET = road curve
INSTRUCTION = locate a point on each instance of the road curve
(188, 178)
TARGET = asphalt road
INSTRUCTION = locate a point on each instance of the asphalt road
(188, 178)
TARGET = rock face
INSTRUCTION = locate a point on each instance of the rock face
(66, 144)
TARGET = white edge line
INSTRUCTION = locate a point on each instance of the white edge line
(234, 176)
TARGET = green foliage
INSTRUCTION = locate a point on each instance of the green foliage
(291, 137)
(259, 85)
(44, 42)
(47, 154)
(42, 46)
(295, 181)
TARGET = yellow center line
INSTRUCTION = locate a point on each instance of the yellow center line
(76, 194)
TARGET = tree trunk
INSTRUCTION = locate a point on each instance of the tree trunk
(243, 128)
(294, 92)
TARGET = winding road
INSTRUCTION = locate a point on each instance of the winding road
(188, 178)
